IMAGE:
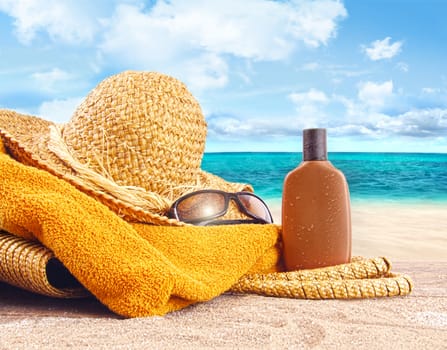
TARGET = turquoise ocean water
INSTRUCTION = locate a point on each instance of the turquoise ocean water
(400, 177)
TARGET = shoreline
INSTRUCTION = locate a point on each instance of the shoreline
(414, 231)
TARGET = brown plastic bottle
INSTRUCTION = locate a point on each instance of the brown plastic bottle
(316, 213)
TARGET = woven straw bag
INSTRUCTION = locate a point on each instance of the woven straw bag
(31, 266)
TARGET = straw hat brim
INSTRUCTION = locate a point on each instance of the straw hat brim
(27, 139)
(33, 267)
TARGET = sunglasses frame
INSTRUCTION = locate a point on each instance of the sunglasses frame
(228, 196)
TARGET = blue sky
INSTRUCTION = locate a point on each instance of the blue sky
(374, 73)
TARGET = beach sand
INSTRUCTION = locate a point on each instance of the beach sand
(418, 321)
(408, 235)
(399, 231)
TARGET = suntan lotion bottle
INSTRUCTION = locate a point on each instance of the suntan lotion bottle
(316, 214)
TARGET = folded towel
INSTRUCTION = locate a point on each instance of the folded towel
(140, 270)
(134, 269)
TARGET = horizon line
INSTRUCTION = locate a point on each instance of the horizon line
(299, 152)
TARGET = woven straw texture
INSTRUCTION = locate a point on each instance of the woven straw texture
(135, 143)
(362, 278)
(24, 264)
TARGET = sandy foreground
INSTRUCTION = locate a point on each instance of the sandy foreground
(397, 231)
(413, 238)
(417, 321)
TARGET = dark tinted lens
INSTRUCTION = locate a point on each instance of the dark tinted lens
(255, 206)
(201, 206)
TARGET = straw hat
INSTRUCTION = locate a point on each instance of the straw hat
(135, 144)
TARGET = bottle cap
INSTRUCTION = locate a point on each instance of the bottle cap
(314, 144)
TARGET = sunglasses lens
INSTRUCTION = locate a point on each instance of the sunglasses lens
(201, 206)
(255, 206)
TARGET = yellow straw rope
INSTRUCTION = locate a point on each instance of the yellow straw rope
(361, 278)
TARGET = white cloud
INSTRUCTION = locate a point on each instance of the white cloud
(375, 94)
(342, 116)
(429, 122)
(314, 22)
(59, 111)
(404, 67)
(382, 49)
(206, 71)
(352, 129)
(360, 119)
(230, 127)
(429, 90)
(309, 108)
(415, 123)
(48, 80)
(223, 125)
(194, 40)
(174, 35)
(63, 20)
(311, 96)
(310, 66)
(257, 29)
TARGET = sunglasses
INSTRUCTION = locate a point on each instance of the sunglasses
(205, 206)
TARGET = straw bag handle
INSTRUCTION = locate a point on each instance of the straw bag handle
(361, 278)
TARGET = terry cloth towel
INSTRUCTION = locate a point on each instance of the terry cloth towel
(134, 269)
(141, 270)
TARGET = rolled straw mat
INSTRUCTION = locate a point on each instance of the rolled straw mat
(31, 266)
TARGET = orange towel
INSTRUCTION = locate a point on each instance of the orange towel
(141, 270)
(134, 269)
